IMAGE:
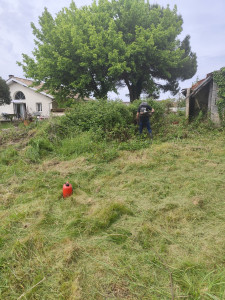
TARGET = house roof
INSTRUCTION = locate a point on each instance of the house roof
(198, 85)
(28, 83)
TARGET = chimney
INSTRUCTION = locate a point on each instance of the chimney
(11, 76)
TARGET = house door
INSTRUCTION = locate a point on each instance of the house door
(20, 110)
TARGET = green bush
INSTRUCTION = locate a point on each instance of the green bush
(87, 126)
(111, 120)
(106, 116)
(219, 77)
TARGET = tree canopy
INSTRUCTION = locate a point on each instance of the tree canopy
(4, 92)
(95, 49)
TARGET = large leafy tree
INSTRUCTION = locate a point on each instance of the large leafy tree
(4, 92)
(109, 44)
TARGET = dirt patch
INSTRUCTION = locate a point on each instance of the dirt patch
(198, 201)
(120, 290)
(15, 137)
(66, 167)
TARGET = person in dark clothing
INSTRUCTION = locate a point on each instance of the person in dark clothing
(143, 114)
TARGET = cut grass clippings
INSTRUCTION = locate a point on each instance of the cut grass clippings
(143, 222)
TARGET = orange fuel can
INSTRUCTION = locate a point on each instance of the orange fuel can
(67, 190)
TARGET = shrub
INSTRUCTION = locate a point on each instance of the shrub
(219, 77)
(88, 125)
(106, 116)
(112, 120)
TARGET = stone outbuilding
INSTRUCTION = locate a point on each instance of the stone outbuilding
(202, 96)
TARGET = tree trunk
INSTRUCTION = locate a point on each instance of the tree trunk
(134, 92)
(134, 89)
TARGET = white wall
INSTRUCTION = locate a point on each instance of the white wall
(6, 109)
(31, 98)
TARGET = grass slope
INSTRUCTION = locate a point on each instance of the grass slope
(141, 224)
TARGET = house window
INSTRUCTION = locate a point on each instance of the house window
(19, 96)
(39, 106)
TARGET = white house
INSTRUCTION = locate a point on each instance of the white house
(26, 100)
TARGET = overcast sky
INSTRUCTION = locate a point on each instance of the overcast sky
(203, 20)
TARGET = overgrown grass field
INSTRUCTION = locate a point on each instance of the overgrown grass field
(145, 221)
